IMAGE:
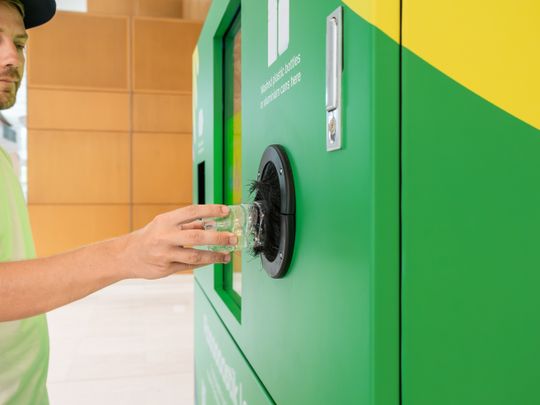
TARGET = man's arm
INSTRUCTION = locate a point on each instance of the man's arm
(33, 287)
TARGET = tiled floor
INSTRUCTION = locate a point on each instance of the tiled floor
(131, 343)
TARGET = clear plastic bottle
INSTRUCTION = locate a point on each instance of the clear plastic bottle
(244, 220)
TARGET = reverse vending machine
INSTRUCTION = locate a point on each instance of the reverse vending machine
(400, 144)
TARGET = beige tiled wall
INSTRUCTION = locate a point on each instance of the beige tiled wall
(161, 147)
(195, 10)
(60, 227)
(109, 119)
(159, 112)
(70, 167)
(161, 168)
(78, 50)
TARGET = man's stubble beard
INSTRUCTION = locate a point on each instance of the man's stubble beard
(8, 99)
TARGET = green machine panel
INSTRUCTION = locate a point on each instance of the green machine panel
(414, 276)
(328, 331)
(222, 374)
(470, 203)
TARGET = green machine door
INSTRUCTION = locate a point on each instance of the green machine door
(328, 331)
(222, 373)
(471, 202)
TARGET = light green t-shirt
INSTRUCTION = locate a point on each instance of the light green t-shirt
(24, 344)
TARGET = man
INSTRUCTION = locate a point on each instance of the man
(30, 287)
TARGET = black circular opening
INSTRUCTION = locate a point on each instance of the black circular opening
(270, 196)
(274, 189)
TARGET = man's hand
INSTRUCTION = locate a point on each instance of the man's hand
(165, 245)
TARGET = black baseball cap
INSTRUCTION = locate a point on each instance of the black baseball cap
(37, 12)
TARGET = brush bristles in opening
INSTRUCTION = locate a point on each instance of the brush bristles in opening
(268, 194)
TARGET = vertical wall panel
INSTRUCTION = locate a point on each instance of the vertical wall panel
(161, 168)
(162, 113)
(77, 166)
(196, 9)
(109, 142)
(161, 50)
(58, 228)
(147, 8)
(159, 8)
(117, 7)
(82, 110)
(78, 50)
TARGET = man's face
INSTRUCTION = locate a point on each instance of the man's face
(12, 42)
